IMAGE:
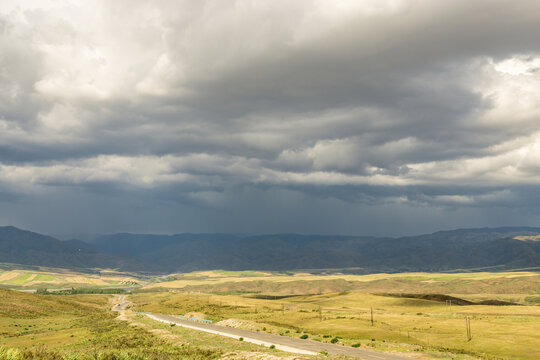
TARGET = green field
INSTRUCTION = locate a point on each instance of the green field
(28, 279)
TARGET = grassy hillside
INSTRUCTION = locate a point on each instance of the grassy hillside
(77, 327)
(82, 327)
(18, 305)
(400, 323)
(302, 283)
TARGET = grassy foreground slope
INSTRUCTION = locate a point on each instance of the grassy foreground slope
(77, 327)
(82, 327)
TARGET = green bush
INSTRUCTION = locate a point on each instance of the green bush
(304, 336)
(533, 299)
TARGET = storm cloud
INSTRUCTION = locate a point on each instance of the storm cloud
(361, 117)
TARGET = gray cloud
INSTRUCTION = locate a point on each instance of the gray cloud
(269, 117)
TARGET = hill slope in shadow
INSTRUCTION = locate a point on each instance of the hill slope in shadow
(440, 251)
(29, 248)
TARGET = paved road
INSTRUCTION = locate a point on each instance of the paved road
(281, 342)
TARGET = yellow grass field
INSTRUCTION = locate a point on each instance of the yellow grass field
(304, 283)
(82, 327)
(323, 307)
(400, 324)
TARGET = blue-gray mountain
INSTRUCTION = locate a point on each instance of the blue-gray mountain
(493, 248)
(29, 248)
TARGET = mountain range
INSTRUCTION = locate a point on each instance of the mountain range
(493, 248)
(29, 248)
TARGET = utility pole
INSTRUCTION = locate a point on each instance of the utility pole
(320, 313)
(372, 316)
(468, 326)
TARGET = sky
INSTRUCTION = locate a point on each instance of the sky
(367, 117)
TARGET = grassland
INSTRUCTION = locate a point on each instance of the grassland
(83, 327)
(330, 307)
(301, 283)
(28, 279)
(326, 307)
(77, 327)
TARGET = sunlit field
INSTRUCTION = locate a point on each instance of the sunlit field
(83, 327)
(28, 279)
(303, 283)
(325, 307)
(408, 317)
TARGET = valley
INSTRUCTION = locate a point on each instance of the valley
(329, 307)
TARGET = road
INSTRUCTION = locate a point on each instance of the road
(285, 343)
(122, 304)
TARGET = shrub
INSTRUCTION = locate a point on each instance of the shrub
(304, 336)
(356, 345)
(334, 340)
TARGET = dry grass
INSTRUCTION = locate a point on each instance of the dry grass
(303, 283)
(32, 279)
(401, 324)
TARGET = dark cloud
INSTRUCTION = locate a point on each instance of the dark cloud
(366, 117)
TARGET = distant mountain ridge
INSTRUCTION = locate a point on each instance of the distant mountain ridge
(441, 251)
(29, 248)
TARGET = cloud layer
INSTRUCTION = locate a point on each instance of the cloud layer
(372, 116)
